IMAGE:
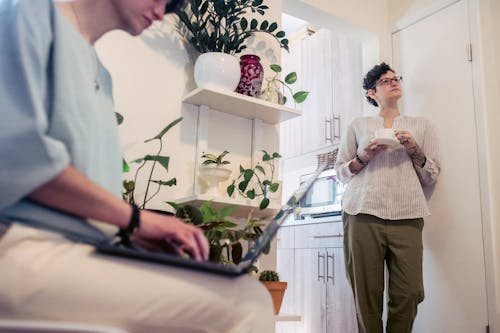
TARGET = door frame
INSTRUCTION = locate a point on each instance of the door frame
(478, 84)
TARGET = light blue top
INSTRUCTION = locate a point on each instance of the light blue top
(51, 115)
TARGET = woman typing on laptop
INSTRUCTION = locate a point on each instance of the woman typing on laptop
(57, 121)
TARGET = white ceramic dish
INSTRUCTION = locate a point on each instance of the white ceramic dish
(391, 143)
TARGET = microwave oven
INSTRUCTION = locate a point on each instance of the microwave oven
(323, 199)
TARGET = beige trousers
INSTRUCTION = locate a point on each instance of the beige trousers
(43, 276)
(369, 242)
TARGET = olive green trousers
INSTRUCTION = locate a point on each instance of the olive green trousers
(369, 242)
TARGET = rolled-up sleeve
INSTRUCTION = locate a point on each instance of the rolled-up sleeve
(347, 150)
(429, 173)
(29, 156)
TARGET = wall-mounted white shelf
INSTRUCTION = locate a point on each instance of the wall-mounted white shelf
(243, 206)
(241, 105)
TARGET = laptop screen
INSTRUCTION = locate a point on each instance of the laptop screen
(272, 228)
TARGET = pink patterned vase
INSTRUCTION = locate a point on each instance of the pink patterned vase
(252, 74)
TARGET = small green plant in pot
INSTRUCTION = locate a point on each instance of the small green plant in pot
(251, 183)
(218, 160)
(212, 171)
(221, 25)
(275, 287)
(224, 236)
(274, 90)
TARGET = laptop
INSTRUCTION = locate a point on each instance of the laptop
(248, 260)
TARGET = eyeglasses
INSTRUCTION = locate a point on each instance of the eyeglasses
(388, 81)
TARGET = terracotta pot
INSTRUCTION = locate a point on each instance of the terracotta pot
(277, 291)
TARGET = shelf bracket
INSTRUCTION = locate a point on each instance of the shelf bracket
(201, 143)
(256, 141)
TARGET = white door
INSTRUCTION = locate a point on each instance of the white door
(437, 80)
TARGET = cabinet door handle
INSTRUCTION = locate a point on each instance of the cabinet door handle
(339, 235)
(336, 127)
(328, 130)
(321, 276)
(328, 256)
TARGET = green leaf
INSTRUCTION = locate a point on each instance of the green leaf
(257, 3)
(284, 99)
(253, 24)
(243, 24)
(125, 166)
(272, 27)
(300, 96)
(226, 211)
(261, 169)
(171, 182)
(203, 8)
(163, 160)
(243, 186)
(174, 205)
(276, 68)
(266, 182)
(274, 187)
(276, 155)
(242, 169)
(248, 174)
(291, 78)
(264, 25)
(119, 118)
(230, 190)
(165, 130)
(251, 194)
(264, 203)
(280, 34)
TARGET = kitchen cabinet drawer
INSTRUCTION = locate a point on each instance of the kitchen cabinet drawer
(319, 235)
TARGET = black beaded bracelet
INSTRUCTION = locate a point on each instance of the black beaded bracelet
(135, 222)
(360, 160)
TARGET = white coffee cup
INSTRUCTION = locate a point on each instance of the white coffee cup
(385, 133)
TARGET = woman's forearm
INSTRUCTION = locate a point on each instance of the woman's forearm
(72, 192)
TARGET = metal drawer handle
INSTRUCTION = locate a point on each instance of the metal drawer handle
(328, 256)
(319, 275)
(330, 236)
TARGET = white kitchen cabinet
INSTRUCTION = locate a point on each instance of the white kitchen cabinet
(318, 290)
(328, 65)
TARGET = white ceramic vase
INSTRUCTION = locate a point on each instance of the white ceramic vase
(217, 70)
(212, 176)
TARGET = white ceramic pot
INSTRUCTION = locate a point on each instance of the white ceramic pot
(212, 176)
(217, 70)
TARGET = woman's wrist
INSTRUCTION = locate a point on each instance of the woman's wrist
(361, 161)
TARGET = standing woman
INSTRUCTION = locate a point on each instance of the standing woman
(384, 205)
(60, 167)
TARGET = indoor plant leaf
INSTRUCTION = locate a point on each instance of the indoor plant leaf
(300, 96)
(165, 130)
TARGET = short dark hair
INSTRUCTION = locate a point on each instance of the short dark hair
(173, 6)
(372, 77)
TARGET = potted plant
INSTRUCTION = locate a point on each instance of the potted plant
(251, 182)
(224, 236)
(212, 171)
(129, 193)
(218, 29)
(272, 91)
(275, 287)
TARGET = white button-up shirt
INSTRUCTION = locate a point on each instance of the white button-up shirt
(389, 186)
